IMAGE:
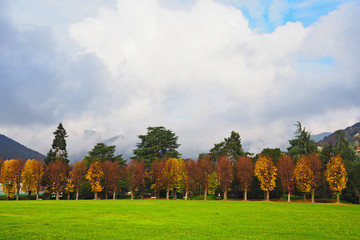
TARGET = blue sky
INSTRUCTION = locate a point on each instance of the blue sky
(201, 68)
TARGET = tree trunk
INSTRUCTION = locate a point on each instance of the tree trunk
(37, 195)
(338, 197)
(205, 193)
(17, 194)
(132, 195)
(68, 196)
(114, 194)
(288, 194)
(267, 195)
(312, 195)
(245, 194)
(57, 195)
(225, 195)
(106, 194)
(186, 194)
(158, 194)
(77, 194)
(95, 196)
(167, 193)
(304, 196)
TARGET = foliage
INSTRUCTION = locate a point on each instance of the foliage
(111, 176)
(57, 174)
(315, 164)
(8, 178)
(336, 174)
(190, 175)
(273, 153)
(285, 168)
(102, 152)
(58, 147)
(136, 175)
(303, 174)
(158, 143)
(266, 172)
(94, 175)
(157, 167)
(302, 144)
(172, 175)
(244, 171)
(224, 172)
(32, 173)
(231, 147)
(78, 176)
(205, 168)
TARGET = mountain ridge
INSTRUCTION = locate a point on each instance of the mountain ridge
(10, 149)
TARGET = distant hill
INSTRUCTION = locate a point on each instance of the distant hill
(11, 149)
(319, 137)
(352, 134)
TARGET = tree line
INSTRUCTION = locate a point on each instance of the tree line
(157, 168)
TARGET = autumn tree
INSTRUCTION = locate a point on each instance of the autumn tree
(336, 175)
(111, 177)
(157, 167)
(94, 176)
(57, 173)
(70, 186)
(266, 172)
(190, 177)
(314, 161)
(224, 172)
(8, 178)
(18, 165)
(303, 175)
(285, 168)
(32, 173)
(205, 168)
(135, 175)
(58, 147)
(158, 143)
(244, 172)
(78, 176)
(171, 175)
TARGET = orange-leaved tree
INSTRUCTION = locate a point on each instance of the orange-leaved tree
(244, 172)
(78, 176)
(94, 176)
(111, 176)
(285, 168)
(32, 173)
(136, 175)
(190, 181)
(315, 164)
(156, 176)
(303, 175)
(336, 175)
(224, 172)
(57, 173)
(266, 172)
(205, 168)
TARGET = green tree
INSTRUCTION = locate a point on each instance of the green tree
(158, 143)
(302, 144)
(102, 152)
(274, 153)
(231, 147)
(58, 147)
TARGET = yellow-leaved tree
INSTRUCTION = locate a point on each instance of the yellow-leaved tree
(303, 175)
(336, 175)
(94, 175)
(266, 172)
(32, 173)
(8, 182)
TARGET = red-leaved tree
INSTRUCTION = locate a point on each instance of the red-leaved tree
(286, 167)
(244, 172)
(225, 174)
(205, 168)
(135, 175)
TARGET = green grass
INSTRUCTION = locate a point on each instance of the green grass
(161, 219)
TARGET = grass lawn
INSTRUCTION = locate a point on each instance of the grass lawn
(161, 219)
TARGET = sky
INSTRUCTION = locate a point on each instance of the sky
(201, 68)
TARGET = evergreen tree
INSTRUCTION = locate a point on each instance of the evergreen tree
(102, 152)
(302, 144)
(158, 143)
(58, 147)
(231, 147)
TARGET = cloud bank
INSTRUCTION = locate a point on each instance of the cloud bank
(197, 68)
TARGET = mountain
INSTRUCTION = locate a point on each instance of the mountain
(11, 149)
(352, 134)
(320, 136)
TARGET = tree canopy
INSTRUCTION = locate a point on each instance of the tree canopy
(102, 152)
(58, 147)
(158, 143)
(302, 144)
(231, 147)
